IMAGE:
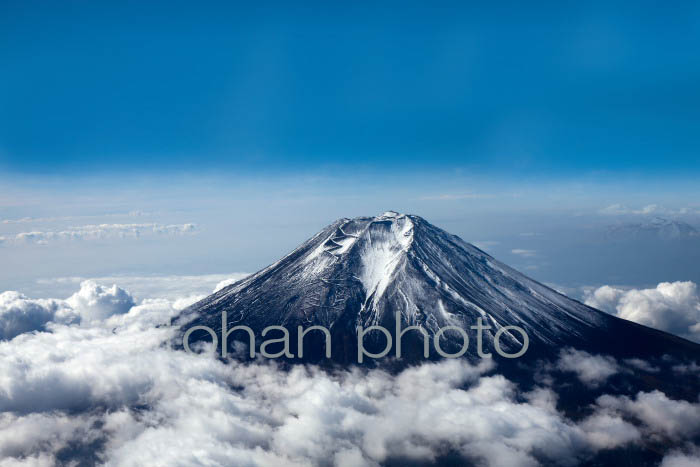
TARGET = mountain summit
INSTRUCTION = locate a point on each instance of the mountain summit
(367, 271)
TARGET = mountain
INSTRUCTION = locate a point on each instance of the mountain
(366, 271)
(654, 229)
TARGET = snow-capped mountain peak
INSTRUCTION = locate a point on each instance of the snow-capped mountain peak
(368, 271)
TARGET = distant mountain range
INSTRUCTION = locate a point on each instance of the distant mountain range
(656, 228)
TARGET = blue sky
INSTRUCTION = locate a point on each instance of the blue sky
(554, 89)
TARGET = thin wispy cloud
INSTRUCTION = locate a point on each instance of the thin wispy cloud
(647, 210)
(456, 196)
(37, 220)
(622, 209)
(102, 231)
(524, 253)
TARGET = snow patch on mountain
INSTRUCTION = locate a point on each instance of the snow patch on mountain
(384, 246)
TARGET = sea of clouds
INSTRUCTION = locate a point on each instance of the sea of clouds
(93, 379)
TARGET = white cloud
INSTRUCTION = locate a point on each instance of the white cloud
(604, 298)
(20, 435)
(682, 459)
(640, 364)
(19, 314)
(683, 368)
(616, 209)
(91, 304)
(95, 302)
(456, 196)
(607, 431)
(660, 416)
(592, 370)
(670, 306)
(524, 253)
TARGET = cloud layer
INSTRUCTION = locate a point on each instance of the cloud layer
(110, 390)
